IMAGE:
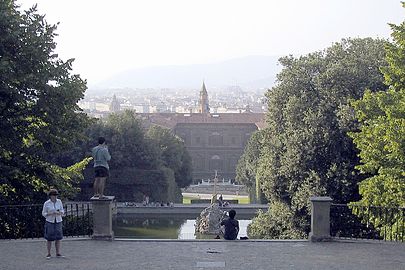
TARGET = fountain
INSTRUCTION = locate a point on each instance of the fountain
(209, 221)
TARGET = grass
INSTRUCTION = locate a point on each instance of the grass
(155, 233)
(244, 200)
(186, 200)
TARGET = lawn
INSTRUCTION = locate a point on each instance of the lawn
(241, 199)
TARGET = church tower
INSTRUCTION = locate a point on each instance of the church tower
(203, 105)
(115, 105)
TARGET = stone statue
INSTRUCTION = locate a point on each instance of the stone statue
(209, 221)
(214, 198)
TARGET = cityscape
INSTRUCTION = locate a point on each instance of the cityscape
(230, 99)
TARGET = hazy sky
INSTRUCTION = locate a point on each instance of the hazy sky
(106, 37)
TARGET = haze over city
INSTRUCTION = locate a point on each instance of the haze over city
(108, 39)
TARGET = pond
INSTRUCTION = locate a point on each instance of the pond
(142, 226)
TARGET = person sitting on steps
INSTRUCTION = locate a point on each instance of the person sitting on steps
(231, 226)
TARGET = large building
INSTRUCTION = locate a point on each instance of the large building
(215, 141)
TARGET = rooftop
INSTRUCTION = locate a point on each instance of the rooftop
(170, 120)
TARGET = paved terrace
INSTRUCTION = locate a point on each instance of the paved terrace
(211, 254)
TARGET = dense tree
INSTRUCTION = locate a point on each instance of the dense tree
(128, 143)
(173, 154)
(381, 140)
(144, 161)
(38, 106)
(247, 167)
(306, 150)
(279, 223)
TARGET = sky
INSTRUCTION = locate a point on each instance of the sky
(107, 37)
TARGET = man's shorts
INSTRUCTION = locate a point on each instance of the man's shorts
(101, 171)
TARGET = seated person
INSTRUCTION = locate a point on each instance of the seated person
(231, 226)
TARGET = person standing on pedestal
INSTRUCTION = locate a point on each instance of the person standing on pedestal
(101, 156)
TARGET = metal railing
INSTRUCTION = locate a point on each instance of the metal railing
(367, 222)
(78, 220)
(26, 221)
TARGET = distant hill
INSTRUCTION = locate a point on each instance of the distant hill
(252, 72)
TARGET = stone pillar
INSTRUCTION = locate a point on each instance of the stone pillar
(102, 218)
(320, 219)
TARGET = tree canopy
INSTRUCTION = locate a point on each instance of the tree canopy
(306, 150)
(173, 154)
(381, 137)
(38, 106)
(145, 160)
(247, 166)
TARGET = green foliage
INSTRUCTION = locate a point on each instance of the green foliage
(173, 153)
(38, 104)
(130, 184)
(67, 180)
(173, 190)
(277, 223)
(381, 139)
(18, 222)
(127, 142)
(247, 167)
(388, 222)
(150, 162)
(305, 149)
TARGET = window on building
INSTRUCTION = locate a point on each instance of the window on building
(198, 163)
(216, 139)
(216, 163)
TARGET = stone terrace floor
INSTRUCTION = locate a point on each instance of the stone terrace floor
(211, 254)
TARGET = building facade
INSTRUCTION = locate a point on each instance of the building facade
(214, 141)
(215, 146)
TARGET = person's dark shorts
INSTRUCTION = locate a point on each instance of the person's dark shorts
(53, 231)
(101, 171)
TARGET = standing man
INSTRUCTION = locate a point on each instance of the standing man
(101, 156)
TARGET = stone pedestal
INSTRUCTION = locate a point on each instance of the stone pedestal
(320, 219)
(102, 218)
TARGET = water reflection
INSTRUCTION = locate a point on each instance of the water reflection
(162, 227)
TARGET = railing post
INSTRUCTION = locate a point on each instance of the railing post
(320, 219)
(102, 218)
